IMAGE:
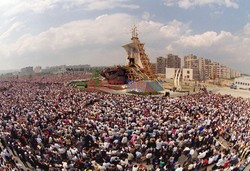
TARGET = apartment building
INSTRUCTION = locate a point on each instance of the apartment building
(192, 62)
(161, 63)
(204, 69)
(173, 61)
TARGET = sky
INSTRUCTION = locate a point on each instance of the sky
(58, 32)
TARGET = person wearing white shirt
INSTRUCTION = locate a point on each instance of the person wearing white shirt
(158, 144)
(179, 169)
(202, 155)
(220, 162)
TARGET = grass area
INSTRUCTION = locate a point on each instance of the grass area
(81, 87)
(92, 85)
(144, 93)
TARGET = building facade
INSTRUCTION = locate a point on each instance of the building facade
(191, 62)
(161, 63)
(170, 61)
(204, 69)
(186, 73)
(242, 83)
(173, 61)
(234, 74)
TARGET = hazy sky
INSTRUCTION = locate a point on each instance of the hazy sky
(55, 32)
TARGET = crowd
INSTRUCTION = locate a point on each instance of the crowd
(50, 126)
(47, 78)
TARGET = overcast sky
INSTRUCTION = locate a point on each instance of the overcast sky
(56, 32)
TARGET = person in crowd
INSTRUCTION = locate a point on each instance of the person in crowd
(48, 125)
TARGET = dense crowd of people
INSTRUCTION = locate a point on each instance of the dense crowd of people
(48, 78)
(50, 126)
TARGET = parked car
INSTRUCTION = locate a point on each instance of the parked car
(233, 86)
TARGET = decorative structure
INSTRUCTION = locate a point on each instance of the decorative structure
(138, 72)
(116, 75)
(177, 80)
(138, 62)
(144, 86)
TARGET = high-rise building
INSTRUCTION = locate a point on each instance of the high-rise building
(161, 65)
(188, 60)
(234, 74)
(207, 62)
(206, 69)
(173, 61)
(215, 70)
(203, 68)
(225, 72)
(192, 62)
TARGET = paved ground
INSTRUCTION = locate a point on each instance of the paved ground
(221, 90)
(233, 92)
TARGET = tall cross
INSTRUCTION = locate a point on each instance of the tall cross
(134, 31)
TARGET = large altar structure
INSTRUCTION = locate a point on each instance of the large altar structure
(137, 61)
(137, 73)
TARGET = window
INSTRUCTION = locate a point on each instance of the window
(188, 72)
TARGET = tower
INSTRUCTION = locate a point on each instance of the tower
(137, 60)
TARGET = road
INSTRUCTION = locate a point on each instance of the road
(232, 92)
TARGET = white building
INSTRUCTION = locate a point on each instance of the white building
(242, 83)
(186, 73)
(38, 69)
